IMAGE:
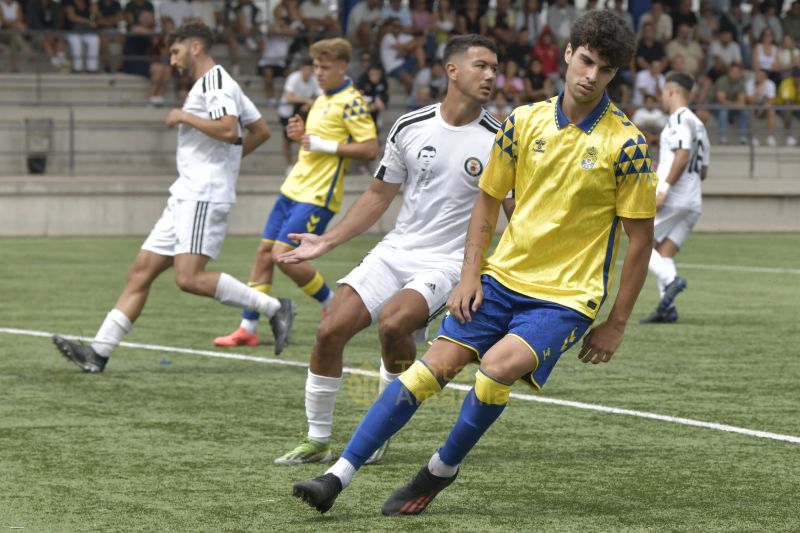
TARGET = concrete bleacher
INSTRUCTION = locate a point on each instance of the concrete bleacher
(124, 161)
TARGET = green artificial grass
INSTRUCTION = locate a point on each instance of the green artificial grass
(182, 442)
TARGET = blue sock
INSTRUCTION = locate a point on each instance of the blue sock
(250, 315)
(387, 415)
(473, 421)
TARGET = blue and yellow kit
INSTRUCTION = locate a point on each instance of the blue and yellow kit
(340, 115)
(573, 183)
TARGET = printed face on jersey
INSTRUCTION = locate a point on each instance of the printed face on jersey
(474, 73)
(180, 55)
(329, 72)
(587, 74)
(426, 157)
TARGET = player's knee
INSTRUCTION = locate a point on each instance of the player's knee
(393, 329)
(331, 335)
(186, 281)
(500, 370)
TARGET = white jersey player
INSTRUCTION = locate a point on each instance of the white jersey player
(437, 155)
(684, 156)
(193, 224)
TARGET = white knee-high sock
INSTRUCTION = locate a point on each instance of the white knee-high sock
(320, 403)
(663, 268)
(111, 331)
(231, 291)
(386, 377)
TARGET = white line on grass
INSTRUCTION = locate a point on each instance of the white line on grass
(525, 397)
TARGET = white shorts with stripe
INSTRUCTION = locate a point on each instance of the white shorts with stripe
(386, 271)
(674, 223)
(189, 227)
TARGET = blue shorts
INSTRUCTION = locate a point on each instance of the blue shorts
(288, 216)
(549, 329)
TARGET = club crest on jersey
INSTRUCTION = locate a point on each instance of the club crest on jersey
(473, 166)
(539, 145)
(589, 158)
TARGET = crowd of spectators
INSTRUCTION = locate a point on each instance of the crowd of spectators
(741, 53)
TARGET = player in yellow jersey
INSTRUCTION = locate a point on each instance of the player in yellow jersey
(339, 127)
(581, 174)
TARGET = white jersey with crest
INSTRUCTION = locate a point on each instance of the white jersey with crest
(208, 168)
(439, 166)
(684, 131)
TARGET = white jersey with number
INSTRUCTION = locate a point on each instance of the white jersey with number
(684, 131)
(439, 166)
(208, 168)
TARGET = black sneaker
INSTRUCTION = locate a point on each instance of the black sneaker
(414, 496)
(320, 492)
(670, 292)
(668, 317)
(281, 323)
(83, 356)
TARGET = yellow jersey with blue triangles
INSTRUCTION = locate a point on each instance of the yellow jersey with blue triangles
(339, 115)
(572, 183)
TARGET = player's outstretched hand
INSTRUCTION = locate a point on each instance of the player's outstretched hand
(311, 247)
(601, 342)
(295, 128)
(465, 299)
(175, 117)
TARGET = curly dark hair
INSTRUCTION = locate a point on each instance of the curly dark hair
(462, 43)
(606, 34)
(192, 30)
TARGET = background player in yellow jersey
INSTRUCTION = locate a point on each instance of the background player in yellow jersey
(580, 169)
(339, 127)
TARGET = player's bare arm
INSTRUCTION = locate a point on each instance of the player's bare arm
(364, 212)
(602, 341)
(675, 172)
(257, 133)
(295, 128)
(468, 294)
(225, 129)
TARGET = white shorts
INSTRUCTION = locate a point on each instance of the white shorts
(384, 272)
(675, 223)
(189, 227)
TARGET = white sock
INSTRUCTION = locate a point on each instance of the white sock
(111, 331)
(439, 468)
(249, 325)
(231, 291)
(320, 402)
(343, 470)
(386, 377)
(663, 268)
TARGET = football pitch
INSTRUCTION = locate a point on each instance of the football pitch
(693, 426)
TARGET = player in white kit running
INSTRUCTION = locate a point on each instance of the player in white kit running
(684, 154)
(193, 225)
(438, 154)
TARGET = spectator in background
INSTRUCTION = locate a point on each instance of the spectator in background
(684, 15)
(791, 22)
(511, 84)
(765, 56)
(662, 23)
(142, 51)
(430, 84)
(318, 20)
(109, 19)
(725, 48)
(649, 81)
(501, 25)
(397, 10)
(530, 18)
(760, 92)
(622, 13)
(560, 16)
(363, 23)
(707, 24)
(650, 119)
(472, 19)
(173, 13)
(788, 56)
(247, 27)
(374, 88)
(538, 87)
(789, 94)
(730, 94)
(207, 12)
(684, 45)
(281, 36)
(356, 69)
(423, 25)
(299, 92)
(12, 26)
(401, 53)
(445, 25)
(521, 50)
(739, 23)
(547, 52)
(134, 9)
(717, 69)
(44, 17)
(766, 16)
(80, 21)
(648, 49)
